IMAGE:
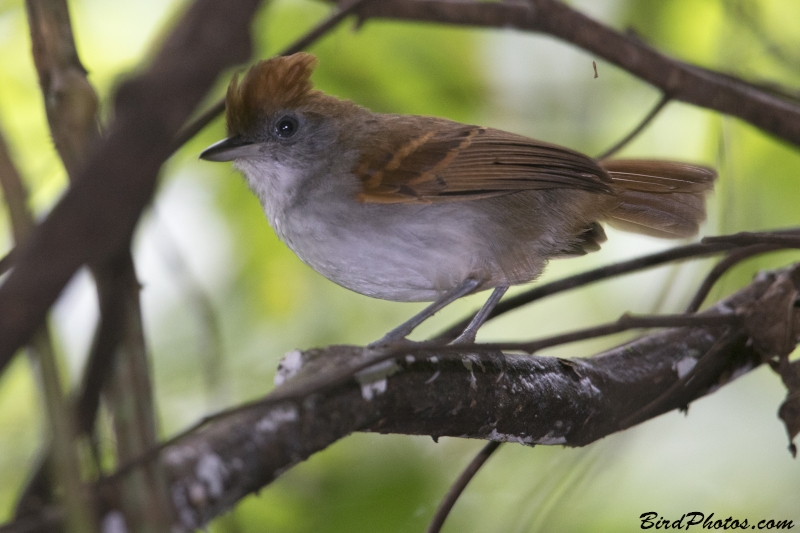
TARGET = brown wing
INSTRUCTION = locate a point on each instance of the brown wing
(452, 161)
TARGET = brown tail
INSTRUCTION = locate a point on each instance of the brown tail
(659, 198)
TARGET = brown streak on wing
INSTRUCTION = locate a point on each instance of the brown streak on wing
(456, 162)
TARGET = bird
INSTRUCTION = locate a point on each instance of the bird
(420, 208)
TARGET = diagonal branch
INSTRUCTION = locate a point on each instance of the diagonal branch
(97, 215)
(676, 79)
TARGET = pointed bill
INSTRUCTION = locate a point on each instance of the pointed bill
(230, 149)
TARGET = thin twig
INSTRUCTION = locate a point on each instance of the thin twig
(638, 129)
(209, 344)
(624, 323)
(118, 350)
(688, 251)
(733, 259)
(459, 485)
(16, 196)
(708, 246)
(748, 14)
(684, 82)
(60, 420)
(747, 238)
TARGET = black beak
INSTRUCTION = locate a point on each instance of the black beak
(228, 149)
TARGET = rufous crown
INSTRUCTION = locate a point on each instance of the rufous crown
(269, 86)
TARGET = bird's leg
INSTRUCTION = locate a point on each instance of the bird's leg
(468, 335)
(403, 330)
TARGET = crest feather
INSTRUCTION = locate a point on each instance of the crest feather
(269, 85)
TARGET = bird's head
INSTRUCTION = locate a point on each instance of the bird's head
(273, 113)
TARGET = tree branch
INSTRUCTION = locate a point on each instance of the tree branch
(676, 79)
(502, 397)
(97, 215)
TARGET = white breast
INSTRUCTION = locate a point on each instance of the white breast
(399, 252)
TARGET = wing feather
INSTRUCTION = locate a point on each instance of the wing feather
(456, 162)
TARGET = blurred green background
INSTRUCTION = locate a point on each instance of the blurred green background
(224, 299)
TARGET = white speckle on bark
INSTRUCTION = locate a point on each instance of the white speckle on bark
(278, 416)
(434, 359)
(212, 472)
(587, 384)
(290, 365)
(504, 437)
(684, 366)
(373, 379)
(410, 359)
(180, 500)
(375, 388)
(432, 378)
(552, 438)
(177, 455)
(113, 522)
(198, 496)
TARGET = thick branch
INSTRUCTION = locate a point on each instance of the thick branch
(530, 400)
(676, 79)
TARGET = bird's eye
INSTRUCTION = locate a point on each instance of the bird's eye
(285, 127)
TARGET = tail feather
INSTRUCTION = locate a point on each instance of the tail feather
(659, 198)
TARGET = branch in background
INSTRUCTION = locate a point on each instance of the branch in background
(209, 332)
(460, 484)
(60, 422)
(748, 15)
(676, 79)
(705, 248)
(70, 100)
(97, 215)
(622, 143)
(16, 195)
(731, 260)
(71, 105)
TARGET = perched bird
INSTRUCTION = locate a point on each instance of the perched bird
(416, 208)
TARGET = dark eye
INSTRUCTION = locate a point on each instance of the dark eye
(285, 127)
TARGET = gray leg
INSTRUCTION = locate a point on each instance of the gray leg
(468, 336)
(404, 329)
